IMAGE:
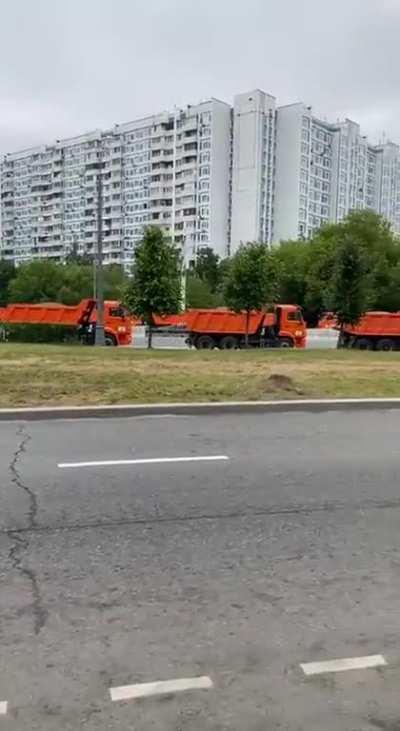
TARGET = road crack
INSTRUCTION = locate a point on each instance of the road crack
(16, 478)
(20, 543)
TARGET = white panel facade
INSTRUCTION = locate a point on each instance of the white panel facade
(252, 167)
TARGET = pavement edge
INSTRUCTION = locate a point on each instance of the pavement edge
(45, 413)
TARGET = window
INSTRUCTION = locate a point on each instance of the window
(296, 315)
(117, 312)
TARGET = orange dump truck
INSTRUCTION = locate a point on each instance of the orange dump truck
(282, 327)
(117, 324)
(374, 331)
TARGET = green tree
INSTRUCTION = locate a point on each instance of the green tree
(77, 283)
(382, 254)
(199, 294)
(115, 279)
(251, 281)
(155, 287)
(347, 294)
(7, 274)
(206, 267)
(37, 281)
(388, 297)
(292, 259)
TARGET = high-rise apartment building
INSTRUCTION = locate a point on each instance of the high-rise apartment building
(170, 170)
(304, 162)
(253, 167)
(208, 175)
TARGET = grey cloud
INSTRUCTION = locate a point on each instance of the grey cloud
(67, 67)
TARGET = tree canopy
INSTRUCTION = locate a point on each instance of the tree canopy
(307, 267)
(251, 280)
(155, 286)
(7, 274)
(47, 281)
(347, 294)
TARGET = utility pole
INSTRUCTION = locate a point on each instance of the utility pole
(99, 332)
(183, 275)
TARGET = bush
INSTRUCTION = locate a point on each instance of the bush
(29, 333)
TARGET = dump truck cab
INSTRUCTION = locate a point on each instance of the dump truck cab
(290, 326)
(117, 324)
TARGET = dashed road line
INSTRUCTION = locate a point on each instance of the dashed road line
(3, 708)
(154, 460)
(144, 690)
(347, 663)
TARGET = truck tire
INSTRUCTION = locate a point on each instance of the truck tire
(285, 343)
(229, 342)
(110, 339)
(205, 342)
(363, 344)
(386, 344)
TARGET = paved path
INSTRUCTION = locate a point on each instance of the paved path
(162, 591)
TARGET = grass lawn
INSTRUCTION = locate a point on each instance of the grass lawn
(55, 375)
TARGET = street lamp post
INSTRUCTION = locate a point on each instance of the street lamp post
(99, 281)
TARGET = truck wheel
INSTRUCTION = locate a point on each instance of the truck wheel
(363, 344)
(110, 339)
(205, 342)
(285, 343)
(229, 342)
(385, 344)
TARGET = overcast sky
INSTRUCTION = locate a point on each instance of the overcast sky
(69, 66)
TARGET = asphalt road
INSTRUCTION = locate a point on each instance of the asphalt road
(317, 338)
(284, 550)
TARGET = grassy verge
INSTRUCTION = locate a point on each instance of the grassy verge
(55, 375)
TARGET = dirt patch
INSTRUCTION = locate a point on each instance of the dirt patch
(280, 382)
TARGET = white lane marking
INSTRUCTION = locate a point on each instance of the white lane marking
(346, 663)
(143, 690)
(3, 708)
(155, 460)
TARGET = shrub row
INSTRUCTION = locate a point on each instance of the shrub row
(29, 333)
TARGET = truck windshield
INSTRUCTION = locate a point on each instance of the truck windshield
(295, 315)
(117, 312)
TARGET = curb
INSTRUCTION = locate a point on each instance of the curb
(44, 413)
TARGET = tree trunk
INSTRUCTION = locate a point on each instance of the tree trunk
(149, 333)
(246, 335)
